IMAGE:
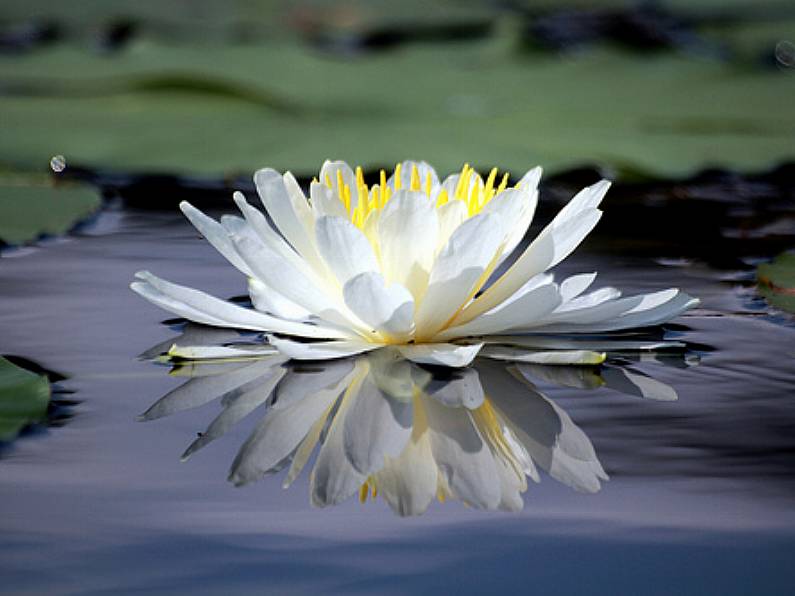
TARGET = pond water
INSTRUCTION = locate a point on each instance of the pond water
(699, 498)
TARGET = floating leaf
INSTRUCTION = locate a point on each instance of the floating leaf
(193, 108)
(777, 281)
(28, 211)
(24, 397)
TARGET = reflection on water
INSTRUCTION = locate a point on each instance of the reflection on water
(383, 426)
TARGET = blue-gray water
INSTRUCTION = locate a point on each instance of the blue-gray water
(700, 499)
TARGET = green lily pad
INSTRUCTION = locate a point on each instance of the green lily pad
(195, 107)
(24, 397)
(28, 211)
(777, 281)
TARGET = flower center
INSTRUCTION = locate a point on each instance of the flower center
(470, 188)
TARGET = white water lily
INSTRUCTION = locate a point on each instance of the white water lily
(409, 262)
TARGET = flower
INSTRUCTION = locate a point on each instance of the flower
(409, 261)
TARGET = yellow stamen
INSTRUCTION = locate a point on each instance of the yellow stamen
(489, 190)
(328, 181)
(442, 198)
(504, 184)
(463, 182)
(397, 177)
(428, 184)
(363, 493)
(415, 178)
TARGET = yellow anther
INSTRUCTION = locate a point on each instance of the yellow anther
(363, 493)
(490, 182)
(442, 198)
(504, 184)
(428, 184)
(314, 180)
(382, 181)
(328, 180)
(347, 201)
(463, 179)
(359, 176)
(397, 177)
(414, 184)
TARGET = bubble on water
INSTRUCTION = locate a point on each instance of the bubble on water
(58, 163)
(785, 54)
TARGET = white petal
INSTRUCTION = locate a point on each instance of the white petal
(203, 308)
(328, 173)
(553, 244)
(531, 307)
(289, 210)
(388, 310)
(266, 299)
(573, 286)
(440, 354)
(323, 350)
(325, 202)
(424, 169)
(304, 289)
(220, 352)
(647, 310)
(408, 229)
(457, 270)
(516, 207)
(569, 357)
(263, 233)
(344, 247)
(215, 234)
(451, 215)
(531, 179)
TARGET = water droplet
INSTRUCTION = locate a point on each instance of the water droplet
(58, 163)
(785, 54)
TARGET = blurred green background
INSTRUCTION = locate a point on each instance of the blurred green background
(222, 88)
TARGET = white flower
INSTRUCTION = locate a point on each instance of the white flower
(409, 261)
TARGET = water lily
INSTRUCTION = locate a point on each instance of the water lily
(410, 261)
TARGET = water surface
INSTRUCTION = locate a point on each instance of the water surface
(699, 498)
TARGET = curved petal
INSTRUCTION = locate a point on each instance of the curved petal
(289, 210)
(266, 299)
(203, 308)
(215, 234)
(457, 271)
(388, 310)
(322, 350)
(408, 228)
(440, 354)
(531, 307)
(569, 228)
(344, 248)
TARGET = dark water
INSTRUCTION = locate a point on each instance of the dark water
(699, 501)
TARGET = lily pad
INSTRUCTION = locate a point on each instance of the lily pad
(777, 281)
(29, 211)
(24, 397)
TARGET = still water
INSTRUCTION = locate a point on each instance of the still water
(658, 473)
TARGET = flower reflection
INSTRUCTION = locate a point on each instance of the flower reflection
(384, 426)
